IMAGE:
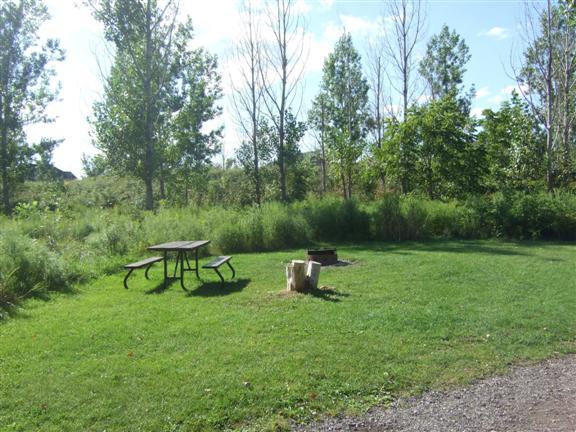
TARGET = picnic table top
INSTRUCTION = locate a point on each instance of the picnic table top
(185, 245)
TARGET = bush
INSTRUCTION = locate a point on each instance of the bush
(28, 267)
(331, 219)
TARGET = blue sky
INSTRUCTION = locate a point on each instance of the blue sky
(490, 28)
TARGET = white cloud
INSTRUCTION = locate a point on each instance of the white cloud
(358, 25)
(326, 4)
(497, 99)
(496, 33)
(302, 7)
(482, 92)
(476, 112)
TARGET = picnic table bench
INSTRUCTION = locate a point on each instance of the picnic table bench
(140, 264)
(217, 262)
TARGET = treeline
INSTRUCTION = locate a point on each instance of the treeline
(397, 121)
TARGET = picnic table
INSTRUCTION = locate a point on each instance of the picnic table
(182, 249)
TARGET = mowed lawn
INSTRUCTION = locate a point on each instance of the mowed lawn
(401, 319)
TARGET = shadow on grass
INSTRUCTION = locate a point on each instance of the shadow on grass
(326, 293)
(216, 289)
(453, 246)
(161, 288)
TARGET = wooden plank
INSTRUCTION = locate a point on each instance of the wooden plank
(168, 246)
(194, 245)
(144, 262)
(217, 262)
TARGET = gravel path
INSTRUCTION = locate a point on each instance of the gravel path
(539, 398)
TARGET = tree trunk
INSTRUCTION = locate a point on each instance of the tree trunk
(281, 138)
(4, 158)
(550, 105)
(296, 276)
(149, 155)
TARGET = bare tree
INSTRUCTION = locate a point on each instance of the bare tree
(248, 90)
(536, 77)
(281, 71)
(376, 63)
(408, 19)
(565, 59)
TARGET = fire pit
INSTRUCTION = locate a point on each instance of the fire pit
(324, 256)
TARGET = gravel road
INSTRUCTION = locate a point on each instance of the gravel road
(539, 398)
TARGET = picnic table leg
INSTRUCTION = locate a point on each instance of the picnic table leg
(165, 269)
(177, 262)
(181, 256)
(196, 256)
(126, 278)
(231, 268)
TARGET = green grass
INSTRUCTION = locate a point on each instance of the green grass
(403, 318)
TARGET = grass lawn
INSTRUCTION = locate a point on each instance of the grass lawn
(403, 318)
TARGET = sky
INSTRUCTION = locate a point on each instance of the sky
(489, 27)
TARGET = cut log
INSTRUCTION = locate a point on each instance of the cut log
(313, 274)
(296, 275)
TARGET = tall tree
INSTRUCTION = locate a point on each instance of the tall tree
(270, 142)
(399, 43)
(195, 92)
(545, 66)
(247, 93)
(346, 92)
(25, 83)
(318, 120)
(281, 70)
(142, 34)
(443, 65)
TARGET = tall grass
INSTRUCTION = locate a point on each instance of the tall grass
(47, 250)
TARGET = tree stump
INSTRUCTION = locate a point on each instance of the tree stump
(313, 274)
(296, 275)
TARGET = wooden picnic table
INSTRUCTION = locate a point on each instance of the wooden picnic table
(182, 248)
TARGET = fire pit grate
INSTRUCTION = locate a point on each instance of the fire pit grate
(324, 256)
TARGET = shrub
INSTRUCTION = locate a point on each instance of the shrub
(331, 219)
(28, 267)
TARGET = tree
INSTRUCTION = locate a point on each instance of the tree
(281, 71)
(159, 95)
(514, 146)
(25, 84)
(195, 91)
(318, 120)
(443, 65)
(450, 162)
(142, 34)
(547, 80)
(346, 93)
(400, 44)
(247, 94)
(292, 156)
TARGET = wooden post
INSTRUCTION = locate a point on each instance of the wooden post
(296, 275)
(313, 274)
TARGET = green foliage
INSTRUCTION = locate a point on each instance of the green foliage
(344, 97)
(28, 268)
(331, 219)
(434, 150)
(515, 148)
(443, 65)
(159, 95)
(26, 89)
